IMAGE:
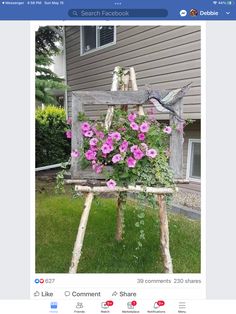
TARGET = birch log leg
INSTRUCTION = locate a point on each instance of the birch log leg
(176, 142)
(80, 235)
(120, 215)
(165, 249)
(135, 88)
(115, 80)
(133, 79)
(125, 86)
(109, 117)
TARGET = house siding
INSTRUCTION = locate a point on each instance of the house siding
(166, 57)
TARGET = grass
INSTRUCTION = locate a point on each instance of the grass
(57, 220)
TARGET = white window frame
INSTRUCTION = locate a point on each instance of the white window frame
(97, 48)
(190, 147)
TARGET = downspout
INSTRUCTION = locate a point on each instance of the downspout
(47, 167)
(64, 64)
(65, 74)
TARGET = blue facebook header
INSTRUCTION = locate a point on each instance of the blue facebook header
(117, 10)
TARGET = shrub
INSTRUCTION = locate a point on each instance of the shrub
(52, 145)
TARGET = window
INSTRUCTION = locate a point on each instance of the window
(194, 160)
(97, 37)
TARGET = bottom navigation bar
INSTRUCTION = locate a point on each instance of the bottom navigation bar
(109, 306)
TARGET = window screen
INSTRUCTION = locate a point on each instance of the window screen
(94, 37)
(105, 35)
(89, 38)
(195, 161)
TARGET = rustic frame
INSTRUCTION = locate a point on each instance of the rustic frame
(118, 98)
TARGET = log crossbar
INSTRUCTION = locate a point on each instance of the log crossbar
(130, 188)
(114, 98)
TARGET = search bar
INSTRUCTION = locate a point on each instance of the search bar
(117, 13)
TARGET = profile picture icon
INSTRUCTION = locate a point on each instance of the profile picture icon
(193, 12)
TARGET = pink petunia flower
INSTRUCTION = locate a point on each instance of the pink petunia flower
(132, 116)
(144, 127)
(141, 136)
(106, 148)
(115, 136)
(85, 127)
(100, 134)
(88, 133)
(152, 153)
(93, 142)
(109, 141)
(68, 134)
(90, 155)
(134, 126)
(93, 148)
(131, 162)
(116, 158)
(69, 121)
(111, 184)
(124, 146)
(167, 130)
(98, 168)
(133, 148)
(138, 154)
(75, 153)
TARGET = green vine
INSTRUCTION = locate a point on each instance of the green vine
(120, 73)
(60, 178)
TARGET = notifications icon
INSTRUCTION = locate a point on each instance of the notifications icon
(159, 304)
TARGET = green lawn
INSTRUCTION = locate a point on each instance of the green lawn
(56, 228)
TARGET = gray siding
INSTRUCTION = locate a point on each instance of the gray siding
(166, 57)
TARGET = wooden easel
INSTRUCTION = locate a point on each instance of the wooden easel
(128, 81)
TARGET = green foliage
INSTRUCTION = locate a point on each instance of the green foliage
(82, 116)
(52, 146)
(46, 39)
(47, 42)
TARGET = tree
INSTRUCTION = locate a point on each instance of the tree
(47, 43)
